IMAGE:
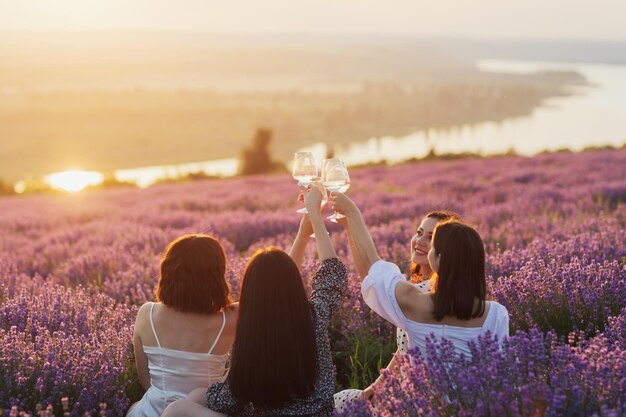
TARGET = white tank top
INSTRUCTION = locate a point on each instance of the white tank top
(174, 373)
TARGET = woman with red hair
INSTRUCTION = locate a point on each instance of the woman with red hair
(182, 341)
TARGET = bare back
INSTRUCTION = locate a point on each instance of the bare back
(187, 332)
(418, 307)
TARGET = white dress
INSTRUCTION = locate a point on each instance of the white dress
(174, 373)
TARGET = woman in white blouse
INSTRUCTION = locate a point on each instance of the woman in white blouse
(456, 308)
(420, 274)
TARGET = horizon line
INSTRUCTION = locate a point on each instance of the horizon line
(318, 34)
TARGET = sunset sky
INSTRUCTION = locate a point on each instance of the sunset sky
(571, 19)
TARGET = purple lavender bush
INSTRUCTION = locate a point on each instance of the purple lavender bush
(74, 268)
(57, 342)
(530, 374)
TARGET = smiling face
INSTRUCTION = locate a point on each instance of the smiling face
(420, 243)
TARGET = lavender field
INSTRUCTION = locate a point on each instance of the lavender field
(75, 268)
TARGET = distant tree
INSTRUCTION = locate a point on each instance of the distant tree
(257, 159)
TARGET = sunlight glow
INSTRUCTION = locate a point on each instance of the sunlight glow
(73, 181)
(19, 187)
(145, 177)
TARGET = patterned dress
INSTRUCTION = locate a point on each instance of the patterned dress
(329, 287)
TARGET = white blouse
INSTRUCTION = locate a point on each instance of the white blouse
(402, 340)
(379, 293)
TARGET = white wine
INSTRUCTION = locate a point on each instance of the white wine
(304, 180)
(335, 185)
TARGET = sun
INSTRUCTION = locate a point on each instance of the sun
(73, 181)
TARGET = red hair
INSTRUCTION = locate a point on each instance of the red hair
(192, 278)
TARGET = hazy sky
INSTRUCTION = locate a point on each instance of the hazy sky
(580, 19)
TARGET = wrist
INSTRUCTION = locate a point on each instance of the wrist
(314, 212)
(352, 213)
(305, 231)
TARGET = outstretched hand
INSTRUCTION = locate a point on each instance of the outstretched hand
(322, 208)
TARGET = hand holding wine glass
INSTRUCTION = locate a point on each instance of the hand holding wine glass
(314, 198)
(342, 204)
(336, 179)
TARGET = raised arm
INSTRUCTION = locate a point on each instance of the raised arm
(358, 262)
(302, 239)
(361, 243)
(313, 201)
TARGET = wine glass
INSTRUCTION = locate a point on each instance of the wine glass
(304, 171)
(335, 178)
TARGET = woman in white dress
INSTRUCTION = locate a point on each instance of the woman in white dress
(456, 307)
(182, 341)
(420, 274)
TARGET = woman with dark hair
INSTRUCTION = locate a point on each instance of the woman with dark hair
(456, 307)
(182, 341)
(281, 360)
(419, 273)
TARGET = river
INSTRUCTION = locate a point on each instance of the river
(593, 115)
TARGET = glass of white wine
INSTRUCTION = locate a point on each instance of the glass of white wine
(335, 178)
(304, 171)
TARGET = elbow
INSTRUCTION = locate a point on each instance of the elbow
(363, 273)
(145, 385)
(144, 380)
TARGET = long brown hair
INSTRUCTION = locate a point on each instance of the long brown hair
(274, 357)
(461, 275)
(415, 274)
(192, 275)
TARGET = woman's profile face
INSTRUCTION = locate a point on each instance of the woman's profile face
(433, 260)
(420, 243)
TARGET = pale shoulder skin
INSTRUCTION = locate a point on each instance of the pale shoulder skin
(415, 304)
(188, 332)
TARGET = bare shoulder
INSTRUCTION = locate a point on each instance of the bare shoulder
(411, 300)
(144, 312)
(406, 293)
(142, 320)
(231, 311)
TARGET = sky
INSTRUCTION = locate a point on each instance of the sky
(511, 19)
